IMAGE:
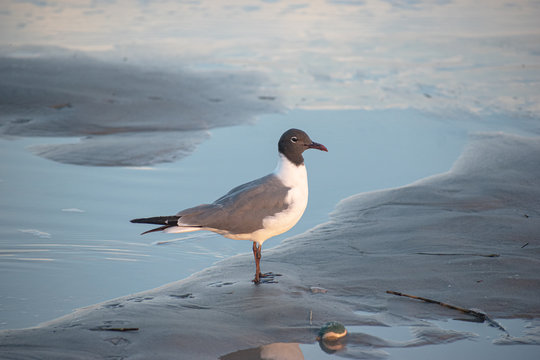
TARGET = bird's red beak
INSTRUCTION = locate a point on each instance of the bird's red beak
(317, 146)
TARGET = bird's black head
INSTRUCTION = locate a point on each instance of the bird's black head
(294, 142)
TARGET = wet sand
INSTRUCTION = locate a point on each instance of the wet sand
(468, 237)
(120, 114)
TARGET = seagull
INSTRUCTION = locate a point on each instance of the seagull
(257, 210)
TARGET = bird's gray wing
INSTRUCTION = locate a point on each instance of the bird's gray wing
(242, 209)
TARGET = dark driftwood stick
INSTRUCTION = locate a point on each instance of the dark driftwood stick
(122, 329)
(457, 254)
(476, 314)
(479, 315)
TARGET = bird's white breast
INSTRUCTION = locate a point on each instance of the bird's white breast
(294, 177)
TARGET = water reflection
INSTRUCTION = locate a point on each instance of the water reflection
(275, 351)
(396, 342)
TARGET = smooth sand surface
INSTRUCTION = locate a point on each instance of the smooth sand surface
(120, 114)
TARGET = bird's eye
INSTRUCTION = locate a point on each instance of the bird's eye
(294, 139)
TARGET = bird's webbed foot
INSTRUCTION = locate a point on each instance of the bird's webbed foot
(266, 278)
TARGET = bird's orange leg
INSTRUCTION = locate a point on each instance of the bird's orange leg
(258, 274)
(257, 256)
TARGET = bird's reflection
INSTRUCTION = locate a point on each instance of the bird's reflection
(330, 338)
(275, 351)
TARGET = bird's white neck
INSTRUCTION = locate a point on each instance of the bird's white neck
(290, 174)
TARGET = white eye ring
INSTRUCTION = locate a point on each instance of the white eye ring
(294, 139)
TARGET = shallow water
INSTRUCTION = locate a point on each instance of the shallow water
(79, 249)
(478, 341)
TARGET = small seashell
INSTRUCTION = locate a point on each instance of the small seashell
(316, 289)
(332, 331)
